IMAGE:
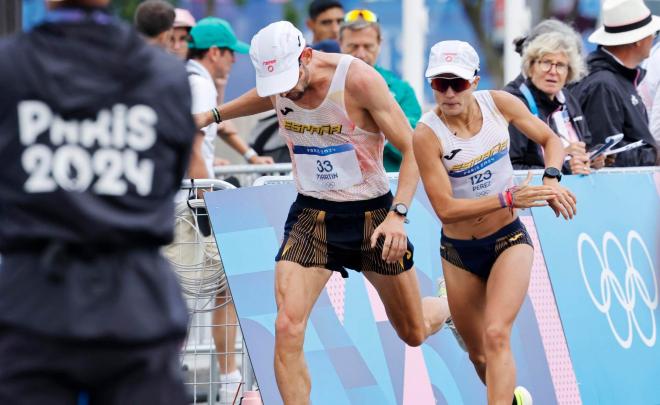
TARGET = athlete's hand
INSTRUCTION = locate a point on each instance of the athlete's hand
(526, 196)
(565, 202)
(394, 233)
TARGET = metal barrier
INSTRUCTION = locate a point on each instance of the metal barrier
(195, 257)
(284, 179)
(247, 174)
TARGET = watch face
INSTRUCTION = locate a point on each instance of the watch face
(552, 172)
(401, 209)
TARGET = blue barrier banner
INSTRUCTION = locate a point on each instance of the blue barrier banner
(354, 355)
(604, 270)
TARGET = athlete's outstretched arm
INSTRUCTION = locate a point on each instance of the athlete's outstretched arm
(519, 115)
(249, 103)
(428, 153)
(368, 88)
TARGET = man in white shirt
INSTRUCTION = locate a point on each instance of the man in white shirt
(211, 57)
(211, 54)
(648, 89)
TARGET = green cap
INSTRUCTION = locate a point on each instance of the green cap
(213, 31)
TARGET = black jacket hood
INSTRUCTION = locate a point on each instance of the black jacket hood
(65, 52)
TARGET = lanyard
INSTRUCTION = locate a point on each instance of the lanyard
(530, 99)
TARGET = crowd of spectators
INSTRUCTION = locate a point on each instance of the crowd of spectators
(569, 90)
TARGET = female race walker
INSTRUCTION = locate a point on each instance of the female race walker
(462, 149)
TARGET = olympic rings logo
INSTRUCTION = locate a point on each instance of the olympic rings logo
(634, 287)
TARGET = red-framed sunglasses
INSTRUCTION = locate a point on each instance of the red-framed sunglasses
(457, 84)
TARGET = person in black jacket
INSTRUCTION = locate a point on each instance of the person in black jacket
(609, 95)
(95, 136)
(544, 27)
(549, 62)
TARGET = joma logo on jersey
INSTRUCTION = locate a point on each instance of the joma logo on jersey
(496, 149)
(312, 129)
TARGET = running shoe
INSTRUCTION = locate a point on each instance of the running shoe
(521, 396)
(229, 387)
(442, 293)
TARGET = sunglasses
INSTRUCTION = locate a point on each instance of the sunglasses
(457, 84)
(366, 15)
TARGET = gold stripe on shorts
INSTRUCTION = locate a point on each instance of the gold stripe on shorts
(307, 243)
(371, 257)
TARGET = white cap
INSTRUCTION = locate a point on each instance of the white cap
(274, 51)
(625, 22)
(453, 57)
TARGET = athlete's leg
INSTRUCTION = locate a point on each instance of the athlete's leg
(467, 300)
(296, 290)
(506, 290)
(413, 320)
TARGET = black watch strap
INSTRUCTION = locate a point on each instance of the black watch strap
(553, 173)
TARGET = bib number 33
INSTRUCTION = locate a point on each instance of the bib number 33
(328, 168)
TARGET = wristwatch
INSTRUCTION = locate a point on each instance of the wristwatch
(400, 209)
(553, 173)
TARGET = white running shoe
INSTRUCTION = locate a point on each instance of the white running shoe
(442, 293)
(522, 396)
(230, 384)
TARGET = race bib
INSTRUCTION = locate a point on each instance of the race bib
(329, 168)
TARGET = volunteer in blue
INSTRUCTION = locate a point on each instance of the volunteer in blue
(95, 135)
(462, 150)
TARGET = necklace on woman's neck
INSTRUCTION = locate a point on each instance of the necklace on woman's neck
(446, 121)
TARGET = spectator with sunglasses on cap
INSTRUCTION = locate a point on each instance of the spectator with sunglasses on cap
(360, 36)
(461, 147)
(549, 62)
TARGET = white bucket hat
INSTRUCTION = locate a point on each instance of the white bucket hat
(625, 22)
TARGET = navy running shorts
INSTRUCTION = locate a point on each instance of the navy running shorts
(479, 255)
(337, 236)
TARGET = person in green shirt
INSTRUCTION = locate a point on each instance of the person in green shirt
(360, 36)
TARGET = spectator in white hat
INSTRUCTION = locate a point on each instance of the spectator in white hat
(608, 94)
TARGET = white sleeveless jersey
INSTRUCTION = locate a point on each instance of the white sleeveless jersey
(478, 166)
(332, 158)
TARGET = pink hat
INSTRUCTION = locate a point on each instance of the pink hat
(183, 19)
